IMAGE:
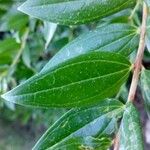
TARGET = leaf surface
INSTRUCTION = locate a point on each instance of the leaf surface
(79, 125)
(88, 143)
(72, 12)
(84, 80)
(120, 38)
(130, 130)
(145, 87)
(148, 34)
(119, 17)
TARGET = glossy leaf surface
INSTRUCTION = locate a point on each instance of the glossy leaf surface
(72, 12)
(130, 130)
(82, 123)
(88, 143)
(84, 80)
(120, 38)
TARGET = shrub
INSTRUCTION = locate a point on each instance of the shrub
(88, 75)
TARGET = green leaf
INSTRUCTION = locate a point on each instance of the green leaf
(3, 68)
(148, 34)
(49, 30)
(4, 5)
(84, 80)
(8, 49)
(130, 130)
(26, 57)
(72, 12)
(121, 38)
(123, 93)
(84, 143)
(13, 20)
(145, 87)
(96, 121)
(119, 17)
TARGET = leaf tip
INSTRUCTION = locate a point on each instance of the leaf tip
(6, 97)
(22, 8)
(3, 96)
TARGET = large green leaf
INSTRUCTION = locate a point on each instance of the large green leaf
(71, 12)
(81, 123)
(130, 130)
(121, 38)
(84, 80)
(145, 87)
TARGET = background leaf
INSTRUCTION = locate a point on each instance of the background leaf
(4, 6)
(49, 31)
(121, 38)
(81, 123)
(148, 34)
(81, 81)
(130, 130)
(73, 12)
(13, 20)
(119, 17)
(8, 49)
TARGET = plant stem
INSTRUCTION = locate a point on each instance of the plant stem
(116, 142)
(23, 43)
(8, 72)
(137, 65)
(139, 57)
